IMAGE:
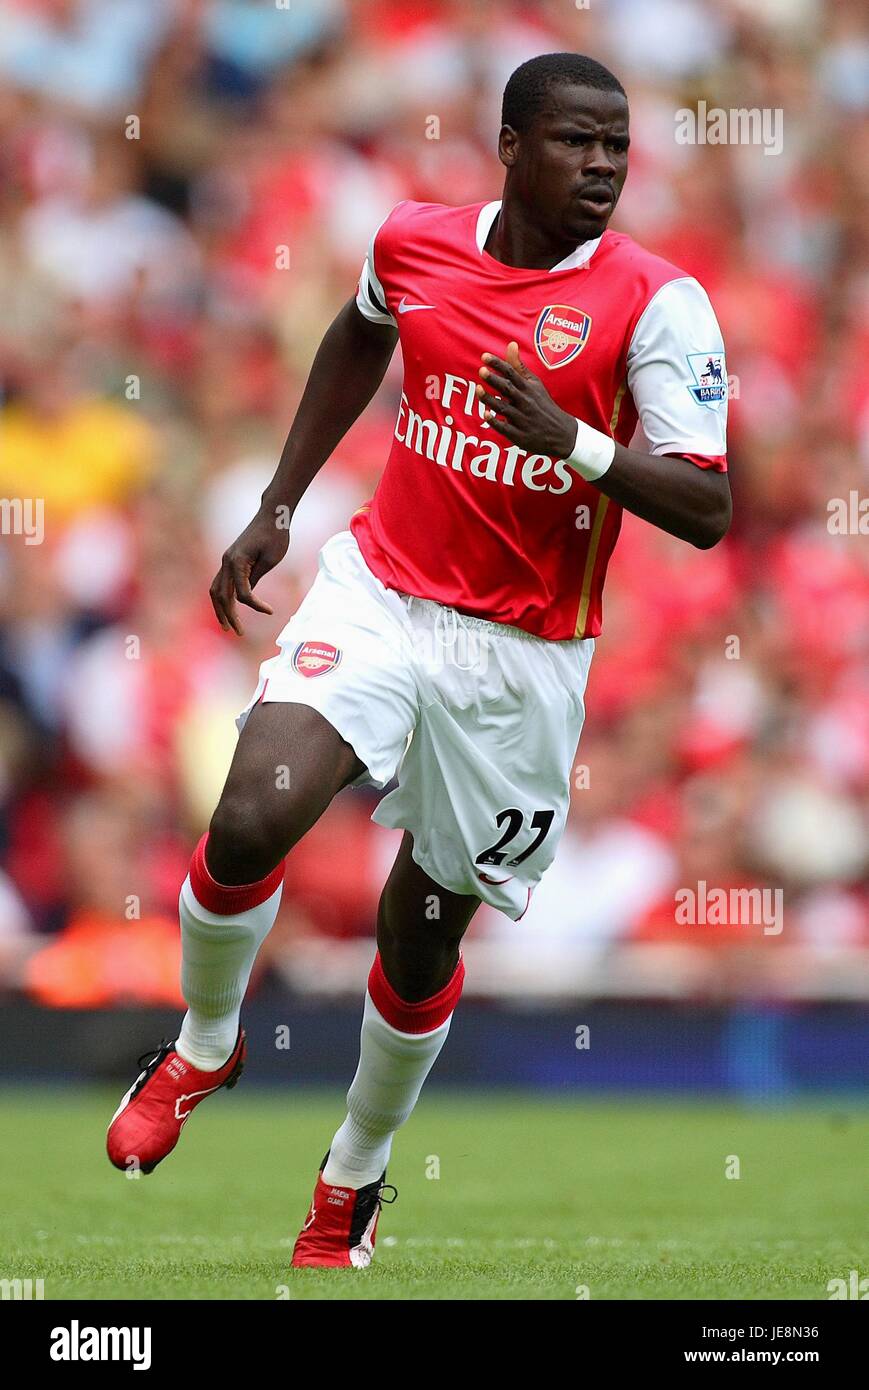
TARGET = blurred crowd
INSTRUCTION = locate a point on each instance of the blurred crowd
(187, 189)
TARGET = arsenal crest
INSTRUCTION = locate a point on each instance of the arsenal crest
(315, 658)
(561, 334)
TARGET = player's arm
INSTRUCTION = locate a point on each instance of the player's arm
(674, 494)
(349, 366)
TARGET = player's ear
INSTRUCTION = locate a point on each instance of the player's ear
(508, 146)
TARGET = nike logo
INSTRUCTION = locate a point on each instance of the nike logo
(405, 308)
(484, 878)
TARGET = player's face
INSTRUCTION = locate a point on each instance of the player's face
(568, 168)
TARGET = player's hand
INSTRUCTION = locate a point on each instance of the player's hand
(520, 407)
(261, 546)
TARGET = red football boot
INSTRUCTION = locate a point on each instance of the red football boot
(147, 1124)
(342, 1225)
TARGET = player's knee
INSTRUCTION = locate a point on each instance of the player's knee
(244, 842)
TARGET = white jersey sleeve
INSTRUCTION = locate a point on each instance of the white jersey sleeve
(677, 375)
(370, 296)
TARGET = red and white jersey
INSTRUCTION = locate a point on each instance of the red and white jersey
(463, 516)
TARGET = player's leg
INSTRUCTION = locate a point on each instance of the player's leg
(288, 765)
(413, 988)
(337, 703)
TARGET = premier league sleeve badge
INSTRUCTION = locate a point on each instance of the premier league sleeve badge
(710, 378)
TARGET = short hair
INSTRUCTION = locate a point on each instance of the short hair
(527, 88)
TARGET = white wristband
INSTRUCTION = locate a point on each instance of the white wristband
(592, 453)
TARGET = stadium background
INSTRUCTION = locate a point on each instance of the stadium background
(163, 296)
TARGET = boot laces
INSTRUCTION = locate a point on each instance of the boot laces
(150, 1061)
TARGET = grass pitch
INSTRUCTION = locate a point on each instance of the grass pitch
(535, 1199)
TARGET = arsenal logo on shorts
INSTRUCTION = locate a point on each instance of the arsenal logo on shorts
(315, 658)
(561, 334)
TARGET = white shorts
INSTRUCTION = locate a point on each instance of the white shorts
(479, 721)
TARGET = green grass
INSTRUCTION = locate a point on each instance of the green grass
(535, 1197)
